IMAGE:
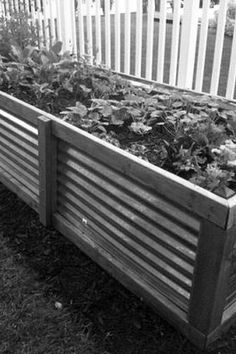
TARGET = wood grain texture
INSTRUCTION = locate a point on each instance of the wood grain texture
(195, 199)
(20, 109)
(16, 140)
(18, 123)
(19, 152)
(47, 178)
(211, 276)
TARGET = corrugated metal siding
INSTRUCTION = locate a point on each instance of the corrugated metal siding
(231, 294)
(19, 153)
(150, 235)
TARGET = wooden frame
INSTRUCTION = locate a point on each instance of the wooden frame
(165, 239)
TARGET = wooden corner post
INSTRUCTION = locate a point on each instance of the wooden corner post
(210, 282)
(47, 170)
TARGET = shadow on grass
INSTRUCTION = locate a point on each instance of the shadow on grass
(93, 312)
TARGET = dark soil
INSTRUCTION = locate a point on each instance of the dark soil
(100, 315)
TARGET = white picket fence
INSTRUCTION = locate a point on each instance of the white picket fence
(185, 51)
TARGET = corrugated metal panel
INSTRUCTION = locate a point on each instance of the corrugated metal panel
(19, 154)
(231, 294)
(149, 234)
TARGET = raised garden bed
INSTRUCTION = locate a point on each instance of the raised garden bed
(166, 239)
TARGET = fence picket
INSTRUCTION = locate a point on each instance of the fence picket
(89, 32)
(32, 12)
(139, 31)
(66, 25)
(188, 44)
(150, 28)
(107, 33)
(202, 45)
(232, 69)
(98, 32)
(53, 35)
(127, 38)
(218, 47)
(39, 21)
(117, 35)
(7, 9)
(17, 5)
(46, 24)
(1, 10)
(81, 28)
(175, 42)
(25, 6)
(161, 42)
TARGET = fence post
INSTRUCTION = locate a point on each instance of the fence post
(66, 25)
(1, 9)
(47, 170)
(188, 44)
(211, 276)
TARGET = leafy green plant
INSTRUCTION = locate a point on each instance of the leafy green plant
(17, 30)
(191, 136)
(230, 18)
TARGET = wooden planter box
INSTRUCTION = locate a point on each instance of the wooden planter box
(167, 240)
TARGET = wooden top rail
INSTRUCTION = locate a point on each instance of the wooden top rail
(20, 109)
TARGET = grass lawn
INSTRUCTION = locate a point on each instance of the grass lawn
(209, 53)
(55, 300)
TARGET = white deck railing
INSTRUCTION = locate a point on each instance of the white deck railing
(168, 45)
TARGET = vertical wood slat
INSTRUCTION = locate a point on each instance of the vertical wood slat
(218, 47)
(47, 170)
(188, 44)
(17, 5)
(89, 31)
(73, 27)
(1, 9)
(46, 24)
(81, 28)
(25, 6)
(107, 33)
(117, 35)
(7, 9)
(150, 30)
(67, 25)
(39, 21)
(211, 274)
(202, 45)
(138, 45)
(33, 14)
(127, 38)
(232, 70)
(34, 19)
(175, 43)
(98, 32)
(161, 42)
(52, 21)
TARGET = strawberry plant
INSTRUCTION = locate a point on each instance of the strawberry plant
(191, 136)
(17, 30)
